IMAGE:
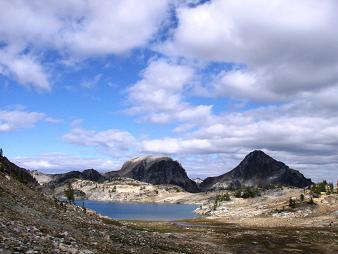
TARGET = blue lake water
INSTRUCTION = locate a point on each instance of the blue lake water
(141, 211)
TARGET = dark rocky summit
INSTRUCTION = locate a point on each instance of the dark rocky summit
(156, 170)
(257, 169)
(20, 174)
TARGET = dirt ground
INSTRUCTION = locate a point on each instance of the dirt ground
(237, 238)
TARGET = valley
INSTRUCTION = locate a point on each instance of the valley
(35, 217)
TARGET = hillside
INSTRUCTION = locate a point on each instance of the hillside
(257, 169)
(18, 173)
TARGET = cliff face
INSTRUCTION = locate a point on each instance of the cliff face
(156, 170)
(20, 174)
(257, 169)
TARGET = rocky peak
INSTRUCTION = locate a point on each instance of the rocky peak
(257, 169)
(156, 170)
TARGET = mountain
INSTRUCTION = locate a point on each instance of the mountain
(156, 170)
(20, 174)
(257, 169)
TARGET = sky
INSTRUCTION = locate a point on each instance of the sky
(91, 84)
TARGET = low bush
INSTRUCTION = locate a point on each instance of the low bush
(248, 192)
(220, 198)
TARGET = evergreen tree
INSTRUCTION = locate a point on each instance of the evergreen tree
(69, 193)
(84, 208)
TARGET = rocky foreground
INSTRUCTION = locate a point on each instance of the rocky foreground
(272, 209)
(31, 222)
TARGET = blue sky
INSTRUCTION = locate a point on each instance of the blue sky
(94, 83)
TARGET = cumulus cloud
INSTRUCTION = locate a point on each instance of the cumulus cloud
(159, 96)
(76, 28)
(11, 120)
(83, 27)
(287, 47)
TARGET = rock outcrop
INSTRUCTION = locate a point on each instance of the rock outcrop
(156, 170)
(257, 169)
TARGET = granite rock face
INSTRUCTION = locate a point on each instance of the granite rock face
(156, 170)
(257, 169)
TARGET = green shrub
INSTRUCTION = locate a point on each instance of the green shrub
(248, 192)
(318, 188)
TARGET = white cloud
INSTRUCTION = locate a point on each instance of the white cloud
(81, 27)
(24, 68)
(11, 120)
(110, 141)
(58, 163)
(176, 146)
(240, 84)
(159, 96)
